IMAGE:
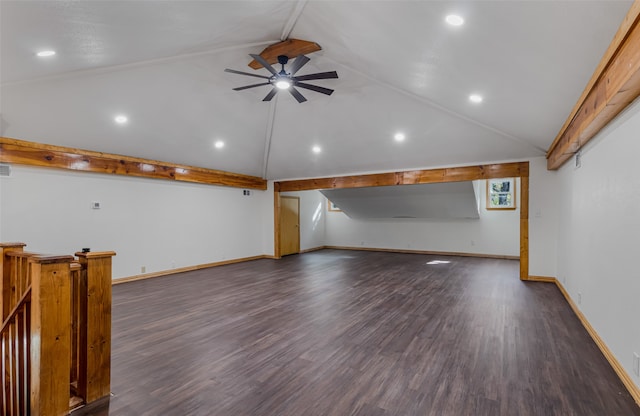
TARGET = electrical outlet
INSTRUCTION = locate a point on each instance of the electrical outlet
(579, 298)
(95, 205)
(636, 364)
(143, 269)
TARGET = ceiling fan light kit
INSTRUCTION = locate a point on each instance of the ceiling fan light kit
(284, 80)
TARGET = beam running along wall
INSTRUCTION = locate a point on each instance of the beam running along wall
(43, 155)
(411, 177)
(613, 86)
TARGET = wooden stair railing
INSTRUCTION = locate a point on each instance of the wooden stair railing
(50, 335)
(94, 324)
(76, 324)
(14, 368)
(56, 330)
(15, 276)
(16, 330)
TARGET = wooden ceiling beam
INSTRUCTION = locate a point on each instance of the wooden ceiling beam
(613, 86)
(466, 173)
(28, 153)
(290, 47)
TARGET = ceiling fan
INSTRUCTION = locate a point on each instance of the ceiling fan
(287, 80)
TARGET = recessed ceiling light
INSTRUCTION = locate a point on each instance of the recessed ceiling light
(399, 137)
(316, 149)
(44, 54)
(121, 119)
(475, 98)
(219, 144)
(454, 20)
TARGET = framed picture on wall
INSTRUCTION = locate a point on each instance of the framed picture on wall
(333, 207)
(501, 193)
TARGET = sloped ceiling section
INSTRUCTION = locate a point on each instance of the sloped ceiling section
(454, 200)
(401, 69)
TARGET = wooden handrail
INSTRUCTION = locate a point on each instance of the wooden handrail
(64, 305)
(25, 298)
(7, 280)
(21, 254)
(15, 367)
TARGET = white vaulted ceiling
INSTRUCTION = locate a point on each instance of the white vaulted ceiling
(401, 68)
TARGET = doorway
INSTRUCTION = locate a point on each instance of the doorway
(289, 225)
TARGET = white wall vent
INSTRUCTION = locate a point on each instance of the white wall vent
(5, 170)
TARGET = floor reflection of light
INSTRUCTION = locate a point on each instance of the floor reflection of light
(439, 262)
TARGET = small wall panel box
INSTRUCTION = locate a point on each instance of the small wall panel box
(246, 192)
(5, 170)
(95, 205)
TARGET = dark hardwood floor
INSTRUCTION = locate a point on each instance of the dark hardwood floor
(355, 333)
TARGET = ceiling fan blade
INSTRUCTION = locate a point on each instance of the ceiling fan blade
(264, 63)
(319, 75)
(314, 88)
(300, 61)
(297, 94)
(233, 71)
(271, 94)
(251, 86)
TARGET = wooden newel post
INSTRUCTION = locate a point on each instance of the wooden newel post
(5, 275)
(94, 380)
(50, 335)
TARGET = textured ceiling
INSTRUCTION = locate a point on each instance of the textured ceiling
(401, 68)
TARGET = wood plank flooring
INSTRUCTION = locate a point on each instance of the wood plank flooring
(354, 333)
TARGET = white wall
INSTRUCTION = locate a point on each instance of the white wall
(313, 211)
(543, 218)
(153, 223)
(495, 233)
(598, 233)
